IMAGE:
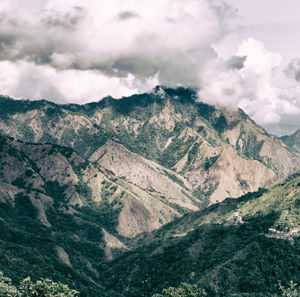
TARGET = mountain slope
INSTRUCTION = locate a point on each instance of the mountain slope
(293, 141)
(134, 194)
(63, 217)
(240, 247)
(194, 140)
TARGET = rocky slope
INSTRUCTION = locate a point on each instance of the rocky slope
(57, 175)
(213, 153)
(293, 141)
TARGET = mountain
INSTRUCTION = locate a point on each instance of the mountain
(211, 153)
(293, 141)
(126, 197)
(239, 247)
(43, 231)
(60, 218)
(63, 178)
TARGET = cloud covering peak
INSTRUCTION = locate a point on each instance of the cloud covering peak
(83, 50)
(248, 83)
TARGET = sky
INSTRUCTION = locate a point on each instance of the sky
(237, 53)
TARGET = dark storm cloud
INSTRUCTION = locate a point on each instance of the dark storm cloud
(6, 41)
(293, 69)
(236, 62)
(126, 15)
(63, 21)
(141, 66)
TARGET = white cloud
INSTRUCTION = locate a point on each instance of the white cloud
(43, 81)
(96, 38)
(259, 60)
(134, 40)
(250, 87)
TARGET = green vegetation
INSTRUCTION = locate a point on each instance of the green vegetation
(192, 154)
(41, 288)
(203, 194)
(251, 146)
(175, 151)
(224, 257)
(19, 182)
(174, 178)
(185, 290)
(293, 290)
(24, 206)
(109, 210)
(138, 122)
(209, 248)
(135, 109)
(56, 191)
(7, 289)
(85, 193)
(210, 161)
(13, 152)
(29, 248)
(220, 124)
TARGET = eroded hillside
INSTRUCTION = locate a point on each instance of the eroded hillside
(213, 153)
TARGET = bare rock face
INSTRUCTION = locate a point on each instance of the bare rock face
(136, 217)
(145, 174)
(255, 143)
(229, 175)
(63, 256)
(51, 177)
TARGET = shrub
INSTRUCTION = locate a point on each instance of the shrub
(185, 290)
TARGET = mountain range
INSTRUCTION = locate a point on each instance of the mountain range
(127, 196)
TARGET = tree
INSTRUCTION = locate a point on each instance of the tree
(41, 288)
(45, 288)
(185, 290)
(292, 291)
(6, 287)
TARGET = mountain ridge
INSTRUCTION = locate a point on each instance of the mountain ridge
(166, 126)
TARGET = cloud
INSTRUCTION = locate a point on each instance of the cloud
(236, 62)
(63, 86)
(82, 50)
(246, 81)
(127, 15)
(105, 37)
(293, 69)
(163, 41)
